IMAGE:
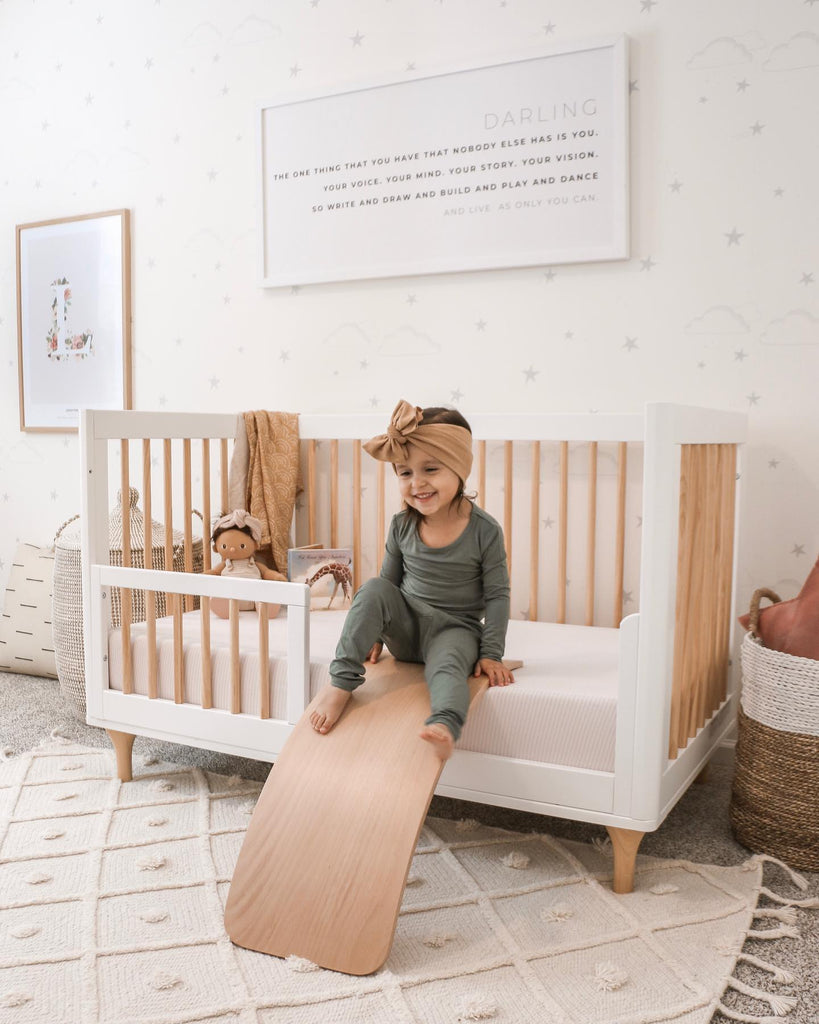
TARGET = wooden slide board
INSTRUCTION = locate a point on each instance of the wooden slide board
(323, 866)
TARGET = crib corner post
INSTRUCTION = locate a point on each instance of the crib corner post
(123, 746)
(625, 842)
(298, 655)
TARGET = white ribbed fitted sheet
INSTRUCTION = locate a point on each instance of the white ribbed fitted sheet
(561, 709)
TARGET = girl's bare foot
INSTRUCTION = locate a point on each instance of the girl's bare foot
(441, 739)
(330, 703)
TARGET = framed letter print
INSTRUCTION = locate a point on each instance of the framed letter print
(73, 318)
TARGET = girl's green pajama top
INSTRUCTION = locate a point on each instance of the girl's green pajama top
(446, 607)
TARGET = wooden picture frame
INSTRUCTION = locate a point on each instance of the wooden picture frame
(73, 318)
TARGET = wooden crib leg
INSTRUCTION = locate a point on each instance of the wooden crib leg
(123, 745)
(626, 842)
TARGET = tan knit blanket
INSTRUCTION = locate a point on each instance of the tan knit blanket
(265, 477)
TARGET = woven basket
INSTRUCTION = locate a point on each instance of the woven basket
(775, 797)
(67, 600)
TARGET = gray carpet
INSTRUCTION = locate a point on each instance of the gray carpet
(697, 829)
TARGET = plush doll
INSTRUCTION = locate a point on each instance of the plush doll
(236, 538)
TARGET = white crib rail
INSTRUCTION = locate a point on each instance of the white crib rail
(295, 596)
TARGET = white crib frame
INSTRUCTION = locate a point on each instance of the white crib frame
(646, 781)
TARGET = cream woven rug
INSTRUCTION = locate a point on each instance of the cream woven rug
(111, 900)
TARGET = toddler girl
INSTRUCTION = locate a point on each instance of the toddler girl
(443, 594)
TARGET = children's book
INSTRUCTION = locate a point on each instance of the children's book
(328, 572)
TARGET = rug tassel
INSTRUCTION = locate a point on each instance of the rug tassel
(762, 858)
(786, 914)
(779, 974)
(785, 931)
(812, 901)
(746, 1018)
(779, 1004)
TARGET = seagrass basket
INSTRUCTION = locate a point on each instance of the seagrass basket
(775, 796)
(67, 612)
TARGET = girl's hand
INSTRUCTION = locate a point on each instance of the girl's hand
(375, 652)
(498, 674)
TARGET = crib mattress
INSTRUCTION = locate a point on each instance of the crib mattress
(561, 709)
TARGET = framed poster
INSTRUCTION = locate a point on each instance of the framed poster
(73, 318)
(515, 164)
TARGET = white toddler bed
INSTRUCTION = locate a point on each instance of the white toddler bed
(620, 532)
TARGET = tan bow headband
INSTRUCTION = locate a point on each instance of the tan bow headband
(450, 444)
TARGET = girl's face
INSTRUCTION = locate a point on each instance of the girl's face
(425, 484)
(234, 544)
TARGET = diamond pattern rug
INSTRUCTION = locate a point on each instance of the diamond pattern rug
(112, 895)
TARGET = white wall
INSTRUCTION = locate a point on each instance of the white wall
(151, 106)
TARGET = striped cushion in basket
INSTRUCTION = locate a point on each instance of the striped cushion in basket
(26, 642)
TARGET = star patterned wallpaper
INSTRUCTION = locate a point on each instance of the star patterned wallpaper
(152, 106)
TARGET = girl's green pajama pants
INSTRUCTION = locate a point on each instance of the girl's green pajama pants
(413, 631)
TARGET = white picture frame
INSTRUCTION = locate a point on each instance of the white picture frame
(73, 318)
(513, 164)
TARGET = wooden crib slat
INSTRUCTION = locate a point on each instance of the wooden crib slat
(707, 693)
(507, 501)
(481, 495)
(150, 595)
(697, 606)
(235, 663)
(124, 592)
(223, 473)
(206, 520)
(312, 500)
(178, 651)
(685, 570)
(334, 493)
(125, 634)
(713, 669)
(147, 502)
(620, 532)
(187, 526)
(698, 595)
(717, 675)
(698, 657)
(264, 661)
(534, 532)
(150, 637)
(207, 664)
(125, 500)
(356, 514)
(726, 567)
(704, 681)
(680, 658)
(175, 599)
(167, 463)
(563, 524)
(591, 530)
(379, 514)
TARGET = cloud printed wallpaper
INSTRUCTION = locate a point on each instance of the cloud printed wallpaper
(152, 106)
